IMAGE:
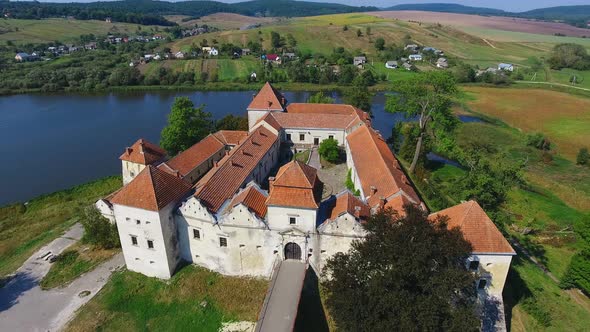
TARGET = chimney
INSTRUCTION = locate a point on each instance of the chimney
(128, 150)
(283, 101)
(227, 152)
(381, 202)
(216, 163)
(357, 211)
(271, 184)
(373, 190)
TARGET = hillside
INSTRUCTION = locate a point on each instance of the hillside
(448, 8)
(152, 12)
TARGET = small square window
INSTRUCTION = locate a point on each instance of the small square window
(288, 137)
(134, 240)
(127, 218)
(132, 174)
(150, 244)
(482, 284)
(302, 137)
(330, 136)
(196, 234)
(473, 265)
(223, 242)
(137, 222)
(292, 220)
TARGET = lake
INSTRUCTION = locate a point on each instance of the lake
(53, 142)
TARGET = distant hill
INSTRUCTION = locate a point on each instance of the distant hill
(574, 15)
(448, 8)
(151, 12)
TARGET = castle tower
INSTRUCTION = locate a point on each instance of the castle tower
(144, 214)
(136, 157)
(268, 99)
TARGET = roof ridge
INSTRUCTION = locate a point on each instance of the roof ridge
(470, 202)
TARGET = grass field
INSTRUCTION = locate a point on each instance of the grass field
(63, 30)
(194, 299)
(74, 262)
(26, 228)
(225, 21)
(564, 118)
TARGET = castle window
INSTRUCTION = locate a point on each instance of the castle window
(127, 218)
(482, 284)
(134, 240)
(292, 220)
(473, 265)
(330, 136)
(196, 234)
(137, 222)
(150, 244)
(132, 174)
(302, 137)
(222, 241)
(288, 137)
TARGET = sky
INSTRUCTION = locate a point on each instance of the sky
(508, 5)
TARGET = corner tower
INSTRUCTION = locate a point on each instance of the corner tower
(136, 157)
(267, 100)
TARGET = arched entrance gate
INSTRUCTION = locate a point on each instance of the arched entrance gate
(292, 251)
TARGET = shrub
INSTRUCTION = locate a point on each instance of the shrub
(329, 150)
(531, 306)
(98, 230)
(538, 141)
(583, 157)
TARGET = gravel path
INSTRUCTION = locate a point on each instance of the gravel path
(24, 306)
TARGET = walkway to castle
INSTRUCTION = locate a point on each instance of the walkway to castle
(279, 310)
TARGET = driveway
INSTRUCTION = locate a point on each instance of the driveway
(24, 306)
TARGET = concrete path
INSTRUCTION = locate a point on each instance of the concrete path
(282, 301)
(314, 159)
(25, 307)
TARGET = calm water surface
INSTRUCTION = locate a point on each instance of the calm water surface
(53, 142)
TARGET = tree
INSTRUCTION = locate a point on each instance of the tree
(232, 122)
(186, 126)
(329, 150)
(291, 40)
(359, 33)
(569, 55)
(98, 230)
(320, 98)
(583, 157)
(368, 31)
(428, 97)
(345, 28)
(380, 44)
(408, 274)
(275, 39)
(359, 95)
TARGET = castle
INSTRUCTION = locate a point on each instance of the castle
(235, 202)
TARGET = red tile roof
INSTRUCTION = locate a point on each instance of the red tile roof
(268, 98)
(477, 228)
(269, 118)
(223, 181)
(253, 199)
(194, 156)
(231, 137)
(152, 189)
(295, 185)
(377, 167)
(342, 109)
(143, 152)
(397, 203)
(296, 174)
(316, 120)
(346, 202)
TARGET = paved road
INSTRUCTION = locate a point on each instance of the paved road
(314, 159)
(280, 307)
(25, 307)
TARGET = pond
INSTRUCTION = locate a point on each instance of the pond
(53, 142)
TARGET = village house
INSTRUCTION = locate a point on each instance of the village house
(407, 66)
(179, 55)
(359, 60)
(235, 204)
(391, 64)
(23, 56)
(275, 58)
(246, 51)
(506, 66)
(108, 20)
(442, 63)
(411, 47)
(415, 57)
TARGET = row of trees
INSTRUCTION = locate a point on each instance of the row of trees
(569, 55)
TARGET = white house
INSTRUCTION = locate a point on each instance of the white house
(415, 57)
(506, 66)
(391, 64)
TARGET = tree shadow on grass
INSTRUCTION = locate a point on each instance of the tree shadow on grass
(311, 315)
